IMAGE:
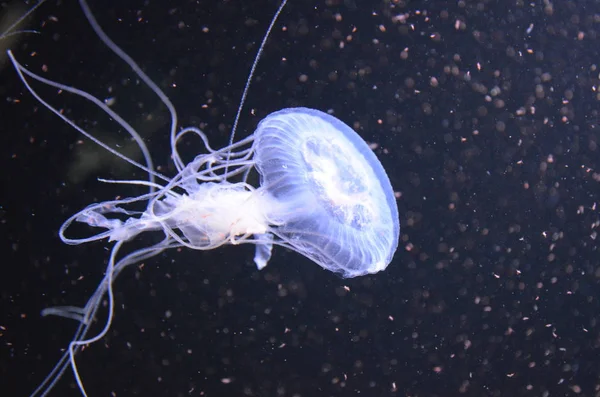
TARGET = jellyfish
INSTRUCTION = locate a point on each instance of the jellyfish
(321, 192)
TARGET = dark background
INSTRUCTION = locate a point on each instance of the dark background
(486, 115)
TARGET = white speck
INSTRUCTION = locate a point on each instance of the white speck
(530, 28)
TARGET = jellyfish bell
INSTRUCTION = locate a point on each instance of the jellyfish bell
(332, 200)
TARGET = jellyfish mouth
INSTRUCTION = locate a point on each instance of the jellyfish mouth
(340, 186)
(214, 214)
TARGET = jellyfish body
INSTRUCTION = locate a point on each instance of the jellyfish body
(322, 193)
(335, 202)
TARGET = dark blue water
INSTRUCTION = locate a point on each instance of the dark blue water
(485, 116)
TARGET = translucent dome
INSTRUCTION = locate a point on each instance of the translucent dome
(333, 201)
